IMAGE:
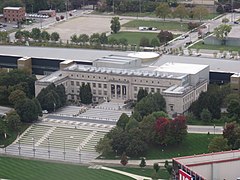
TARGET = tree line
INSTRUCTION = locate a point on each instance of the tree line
(149, 125)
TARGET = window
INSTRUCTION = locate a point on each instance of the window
(158, 90)
(171, 107)
(94, 85)
(99, 92)
(99, 77)
(72, 91)
(94, 91)
(93, 77)
(152, 90)
(135, 95)
(105, 86)
(72, 83)
(78, 84)
(147, 89)
(105, 93)
(82, 75)
(99, 85)
(135, 88)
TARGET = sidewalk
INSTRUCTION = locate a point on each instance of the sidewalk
(131, 163)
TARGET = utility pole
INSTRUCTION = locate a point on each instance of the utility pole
(66, 9)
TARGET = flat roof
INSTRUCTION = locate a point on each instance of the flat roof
(58, 53)
(12, 8)
(216, 65)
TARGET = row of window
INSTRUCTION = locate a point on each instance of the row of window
(94, 85)
(152, 90)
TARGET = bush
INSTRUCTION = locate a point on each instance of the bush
(57, 18)
(192, 25)
(62, 17)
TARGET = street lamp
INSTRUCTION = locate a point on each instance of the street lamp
(19, 145)
(48, 147)
(33, 146)
(64, 150)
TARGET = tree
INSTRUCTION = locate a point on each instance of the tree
(13, 121)
(230, 132)
(103, 38)
(36, 34)
(161, 128)
(55, 36)
(74, 39)
(83, 38)
(155, 42)
(16, 96)
(104, 146)
(199, 12)
(45, 36)
(144, 42)
(163, 10)
(123, 120)
(124, 159)
(180, 12)
(142, 163)
(233, 109)
(85, 94)
(220, 9)
(218, 144)
(115, 25)
(123, 41)
(19, 35)
(156, 167)
(164, 36)
(95, 38)
(113, 41)
(141, 94)
(206, 115)
(221, 32)
(132, 123)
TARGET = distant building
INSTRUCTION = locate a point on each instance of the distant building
(50, 13)
(212, 166)
(14, 14)
(119, 78)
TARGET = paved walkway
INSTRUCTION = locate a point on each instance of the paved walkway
(134, 176)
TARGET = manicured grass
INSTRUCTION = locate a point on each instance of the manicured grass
(167, 25)
(134, 37)
(145, 171)
(21, 169)
(12, 135)
(200, 45)
(193, 144)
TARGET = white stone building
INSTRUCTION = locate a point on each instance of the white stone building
(119, 78)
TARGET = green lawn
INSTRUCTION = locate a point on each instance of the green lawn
(167, 25)
(134, 37)
(12, 135)
(21, 169)
(144, 172)
(199, 45)
(193, 144)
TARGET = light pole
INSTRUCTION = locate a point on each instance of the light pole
(66, 9)
(33, 146)
(113, 6)
(48, 147)
(64, 150)
(19, 145)
(79, 153)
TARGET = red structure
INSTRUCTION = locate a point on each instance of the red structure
(14, 14)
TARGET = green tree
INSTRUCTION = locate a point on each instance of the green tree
(164, 36)
(221, 32)
(85, 94)
(123, 41)
(13, 121)
(163, 10)
(74, 39)
(45, 36)
(180, 12)
(141, 94)
(94, 38)
(142, 163)
(144, 42)
(123, 120)
(19, 35)
(4, 37)
(115, 25)
(124, 159)
(132, 123)
(103, 38)
(233, 109)
(112, 41)
(83, 38)
(156, 167)
(155, 42)
(36, 34)
(218, 144)
(16, 96)
(199, 12)
(55, 36)
(206, 115)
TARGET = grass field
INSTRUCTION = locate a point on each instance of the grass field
(145, 172)
(193, 144)
(199, 45)
(21, 169)
(134, 37)
(168, 25)
(12, 135)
